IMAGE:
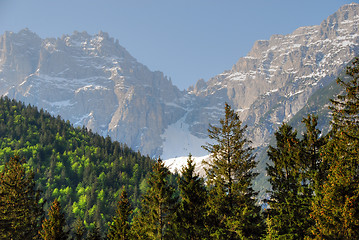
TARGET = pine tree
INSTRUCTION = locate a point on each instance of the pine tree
(120, 227)
(346, 106)
(191, 212)
(335, 208)
(290, 197)
(79, 229)
(53, 228)
(157, 206)
(314, 170)
(95, 233)
(20, 211)
(233, 212)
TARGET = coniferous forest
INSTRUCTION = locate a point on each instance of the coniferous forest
(61, 182)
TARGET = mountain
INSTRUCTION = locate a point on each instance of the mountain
(277, 77)
(93, 81)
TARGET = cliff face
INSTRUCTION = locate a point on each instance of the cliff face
(93, 81)
(274, 81)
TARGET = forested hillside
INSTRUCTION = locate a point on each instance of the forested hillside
(313, 177)
(83, 170)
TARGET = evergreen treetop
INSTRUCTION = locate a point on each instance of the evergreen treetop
(335, 209)
(53, 228)
(119, 229)
(20, 211)
(233, 213)
(157, 207)
(192, 208)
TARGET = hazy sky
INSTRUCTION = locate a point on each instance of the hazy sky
(185, 39)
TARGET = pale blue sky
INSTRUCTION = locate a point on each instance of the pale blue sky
(187, 39)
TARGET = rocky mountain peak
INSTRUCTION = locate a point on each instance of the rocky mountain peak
(90, 80)
(275, 79)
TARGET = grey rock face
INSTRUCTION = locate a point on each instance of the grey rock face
(93, 81)
(274, 81)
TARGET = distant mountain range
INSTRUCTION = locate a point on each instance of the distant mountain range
(93, 81)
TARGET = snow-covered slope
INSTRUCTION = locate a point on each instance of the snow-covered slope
(176, 164)
(179, 141)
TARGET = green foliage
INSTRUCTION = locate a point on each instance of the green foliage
(318, 177)
(94, 233)
(233, 213)
(289, 198)
(158, 206)
(20, 212)
(84, 172)
(53, 228)
(119, 228)
(314, 170)
(81, 169)
(191, 212)
(335, 209)
(345, 106)
(79, 230)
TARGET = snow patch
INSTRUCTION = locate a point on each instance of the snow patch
(238, 76)
(271, 91)
(176, 164)
(242, 109)
(91, 88)
(293, 94)
(59, 104)
(178, 141)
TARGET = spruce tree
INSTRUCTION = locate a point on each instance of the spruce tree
(20, 211)
(191, 212)
(94, 233)
(79, 229)
(119, 229)
(314, 170)
(53, 228)
(233, 212)
(289, 202)
(345, 107)
(157, 206)
(335, 208)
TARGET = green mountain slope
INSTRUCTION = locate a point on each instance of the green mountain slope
(83, 170)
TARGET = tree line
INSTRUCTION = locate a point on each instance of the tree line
(314, 188)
